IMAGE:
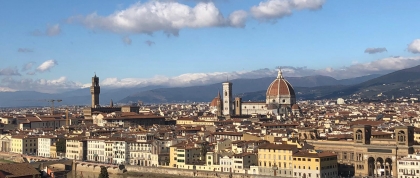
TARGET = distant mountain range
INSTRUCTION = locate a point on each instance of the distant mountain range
(404, 82)
(241, 87)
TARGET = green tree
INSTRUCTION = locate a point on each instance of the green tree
(61, 145)
(104, 173)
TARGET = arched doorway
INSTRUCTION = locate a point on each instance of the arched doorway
(380, 167)
(371, 166)
(388, 167)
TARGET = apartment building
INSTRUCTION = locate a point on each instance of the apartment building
(24, 144)
(140, 152)
(408, 167)
(44, 145)
(96, 150)
(315, 164)
(242, 162)
(76, 148)
(276, 159)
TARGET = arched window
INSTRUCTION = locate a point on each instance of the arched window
(401, 136)
(359, 135)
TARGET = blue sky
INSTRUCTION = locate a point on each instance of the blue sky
(62, 43)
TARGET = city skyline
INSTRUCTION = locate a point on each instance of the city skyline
(192, 42)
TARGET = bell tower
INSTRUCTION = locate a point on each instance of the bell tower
(227, 99)
(95, 89)
(362, 134)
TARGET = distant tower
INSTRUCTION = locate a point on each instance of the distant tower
(238, 106)
(111, 104)
(95, 89)
(227, 98)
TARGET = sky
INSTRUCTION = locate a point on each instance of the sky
(55, 46)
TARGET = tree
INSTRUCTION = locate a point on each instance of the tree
(61, 145)
(104, 173)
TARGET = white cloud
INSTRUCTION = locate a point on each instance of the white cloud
(6, 89)
(9, 71)
(47, 65)
(375, 50)
(166, 16)
(52, 30)
(41, 85)
(238, 18)
(307, 4)
(126, 40)
(271, 10)
(414, 46)
(27, 66)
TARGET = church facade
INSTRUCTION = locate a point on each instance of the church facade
(280, 101)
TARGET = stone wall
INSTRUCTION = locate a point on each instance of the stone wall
(96, 169)
(189, 173)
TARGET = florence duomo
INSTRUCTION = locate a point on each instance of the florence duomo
(280, 101)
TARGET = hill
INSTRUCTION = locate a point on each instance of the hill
(399, 83)
(250, 89)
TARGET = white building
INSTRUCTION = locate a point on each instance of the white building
(121, 152)
(409, 167)
(44, 145)
(140, 153)
(96, 150)
(226, 164)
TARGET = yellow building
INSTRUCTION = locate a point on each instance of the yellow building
(24, 144)
(75, 148)
(276, 159)
(315, 164)
(16, 144)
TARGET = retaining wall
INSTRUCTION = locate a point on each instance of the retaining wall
(189, 173)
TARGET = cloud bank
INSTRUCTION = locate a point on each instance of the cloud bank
(381, 66)
(166, 16)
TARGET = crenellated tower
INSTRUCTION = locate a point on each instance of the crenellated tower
(95, 89)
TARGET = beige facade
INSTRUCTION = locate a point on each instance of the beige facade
(74, 148)
(369, 154)
(24, 144)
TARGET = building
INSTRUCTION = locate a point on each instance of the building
(243, 161)
(44, 145)
(276, 159)
(409, 166)
(315, 164)
(5, 143)
(140, 153)
(95, 90)
(368, 153)
(96, 150)
(76, 148)
(280, 101)
(24, 144)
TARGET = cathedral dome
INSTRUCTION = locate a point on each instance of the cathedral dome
(280, 87)
(215, 101)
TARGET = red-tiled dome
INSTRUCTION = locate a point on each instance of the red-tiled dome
(280, 86)
(215, 101)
